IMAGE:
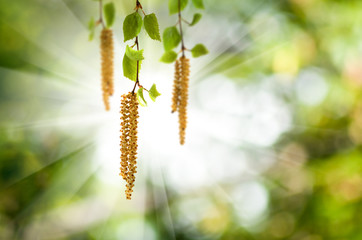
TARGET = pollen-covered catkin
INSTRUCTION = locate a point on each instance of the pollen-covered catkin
(184, 87)
(107, 65)
(176, 87)
(129, 116)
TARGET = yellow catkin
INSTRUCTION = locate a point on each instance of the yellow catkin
(107, 65)
(129, 116)
(176, 87)
(184, 87)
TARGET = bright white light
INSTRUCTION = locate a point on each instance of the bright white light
(108, 154)
(135, 229)
(250, 201)
(193, 210)
(311, 87)
(251, 114)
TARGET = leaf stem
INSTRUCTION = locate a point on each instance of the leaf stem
(187, 22)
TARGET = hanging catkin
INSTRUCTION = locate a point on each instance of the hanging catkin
(184, 87)
(107, 65)
(129, 116)
(176, 87)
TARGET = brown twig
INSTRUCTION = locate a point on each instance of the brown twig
(138, 6)
(180, 25)
(138, 66)
(101, 13)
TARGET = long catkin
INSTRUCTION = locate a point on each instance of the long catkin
(129, 116)
(107, 65)
(182, 107)
(176, 87)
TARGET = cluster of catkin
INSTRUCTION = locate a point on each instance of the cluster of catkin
(180, 94)
(129, 116)
(107, 65)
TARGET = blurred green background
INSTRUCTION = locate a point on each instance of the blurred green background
(273, 143)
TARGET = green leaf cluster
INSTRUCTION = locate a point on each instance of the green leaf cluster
(109, 11)
(152, 93)
(171, 35)
(132, 26)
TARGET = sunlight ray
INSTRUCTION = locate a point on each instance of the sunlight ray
(238, 207)
(290, 162)
(204, 70)
(269, 51)
(66, 68)
(84, 121)
(218, 47)
(113, 205)
(68, 220)
(75, 65)
(298, 127)
(219, 59)
(49, 86)
(72, 168)
(63, 155)
(160, 197)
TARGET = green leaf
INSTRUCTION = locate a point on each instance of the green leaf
(153, 93)
(169, 57)
(136, 55)
(132, 26)
(171, 38)
(91, 28)
(198, 4)
(129, 68)
(151, 26)
(173, 5)
(109, 14)
(199, 50)
(91, 24)
(91, 36)
(140, 98)
(196, 19)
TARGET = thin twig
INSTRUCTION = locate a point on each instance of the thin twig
(101, 13)
(138, 65)
(136, 43)
(180, 25)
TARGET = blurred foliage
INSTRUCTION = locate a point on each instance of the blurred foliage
(314, 190)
